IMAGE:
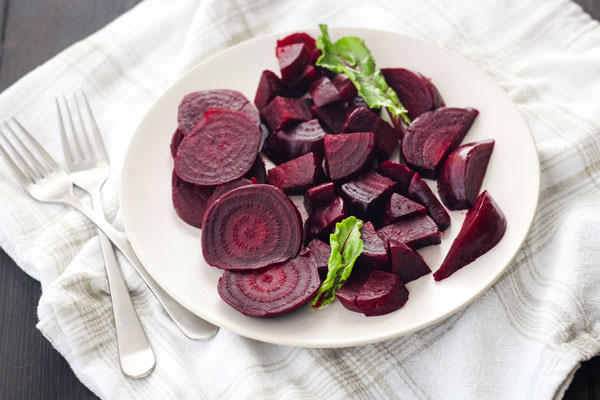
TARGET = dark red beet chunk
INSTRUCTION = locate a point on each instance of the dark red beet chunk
(418, 231)
(332, 116)
(321, 222)
(302, 37)
(292, 60)
(176, 141)
(258, 172)
(364, 120)
(306, 78)
(433, 135)
(283, 111)
(374, 255)
(324, 92)
(414, 91)
(422, 194)
(406, 262)
(397, 172)
(381, 294)
(348, 293)
(269, 87)
(345, 88)
(270, 291)
(483, 228)
(318, 196)
(226, 187)
(366, 195)
(221, 148)
(462, 174)
(251, 227)
(297, 175)
(347, 155)
(321, 253)
(194, 105)
(399, 207)
(190, 201)
(295, 141)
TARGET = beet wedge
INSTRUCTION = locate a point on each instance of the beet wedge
(297, 175)
(283, 111)
(367, 195)
(399, 207)
(374, 255)
(483, 228)
(415, 92)
(406, 262)
(273, 290)
(324, 92)
(397, 172)
(418, 231)
(321, 253)
(321, 222)
(332, 116)
(300, 37)
(347, 155)
(190, 201)
(381, 294)
(251, 227)
(269, 87)
(462, 174)
(422, 194)
(345, 88)
(364, 120)
(292, 142)
(348, 293)
(176, 141)
(292, 60)
(433, 135)
(221, 148)
(318, 196)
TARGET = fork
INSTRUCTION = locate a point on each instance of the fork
(46, 181)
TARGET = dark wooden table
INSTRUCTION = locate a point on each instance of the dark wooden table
(33, 31)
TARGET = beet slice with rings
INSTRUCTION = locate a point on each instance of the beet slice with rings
(348, 293)
(415, 92)
(418, 231)
(420, 192)
(381, 294)
(269, 86)
(226, 187)
(318, 196)
(221, 148)
(483, 228)
(283, 111)
(176, 141)
(462, 174)
(258, 172)
(364, 120)
(251, 227)
(347, 155)
(273, 290)
(324, 92)
(321, 222)
(345, 88)
(433, 135)
(321, 253)
(406, 262)
(301, 37)
(397, 172)
(367, 195)
(190, 201)
(399, 207)
(292, 60)
(374, 255)
(194, 105)
(295, 141)
(332, 116)
(297, 175)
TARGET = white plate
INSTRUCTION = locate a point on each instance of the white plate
(170, 249)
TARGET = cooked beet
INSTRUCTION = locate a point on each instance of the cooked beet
(483, 228)
(221, 148)
(251, 227)
(226, 187)
(414, 91)
(345, 88)
(433, 135)
(283, 111)
(399, 207)
(321, 222)
(295, 141)
(292, 60)
(364, 120)
(194, 105)
(318, 196)
(422, 194)
(302, 37)
(381, 294)
(176, 141)
(269, 87)
(418, 231)
(348, 293)
(324, 92)
(374, 255)
(190, 201)
(332, 116)
(366, 195)
(347, 155)
(406, 262)
(462, 174)
(306, 78)
(271, 291)
(397, 172)
(297, 175)
(258, 172)
(321, 253)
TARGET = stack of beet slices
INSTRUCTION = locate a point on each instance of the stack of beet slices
(328, 146)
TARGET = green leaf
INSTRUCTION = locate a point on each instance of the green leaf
(346, 246)
(351, 57)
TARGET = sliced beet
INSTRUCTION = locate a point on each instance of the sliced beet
(324, 92)
(176, 141)
(283, 111)
(347, 155)
(345, 88)
(194, 105)
(321, 222)
(306, 78)
(364, 120)
(422, 194)
(374, 255)
(301, 37)
(251, 227)
(271, 291)
(433, 135)
(438, 101)
(332, 116)
(297, 175)
(483, 228)
(321, 253)
(397, 172)
(292, 60)
(406, 262)
(399, 207)
(462, 174)
(190, 201)
(258, 172)
(226, 187)
(269, 86)
(418, 231)
(318, 196)
(381, 294)
(348, 293)
(221, 148)
(414, 91)
(295, 141)
(367, 195)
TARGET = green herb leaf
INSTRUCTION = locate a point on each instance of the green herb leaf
(346, 246)
(351, 57)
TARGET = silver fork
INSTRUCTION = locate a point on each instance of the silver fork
(89, 168)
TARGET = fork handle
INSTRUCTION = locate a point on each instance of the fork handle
(189, 323)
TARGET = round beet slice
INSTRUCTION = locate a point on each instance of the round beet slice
(190, 201)
(251, 227)
(221, 148)
(271, 291)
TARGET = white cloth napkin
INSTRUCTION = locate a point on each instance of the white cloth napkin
(523, 338)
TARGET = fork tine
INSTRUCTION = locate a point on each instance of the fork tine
(76, 142)
(51, 163)
(84, 131)
(63, 136)
(23, 180)
(41, 169)
(22, 176)
(97, 138)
